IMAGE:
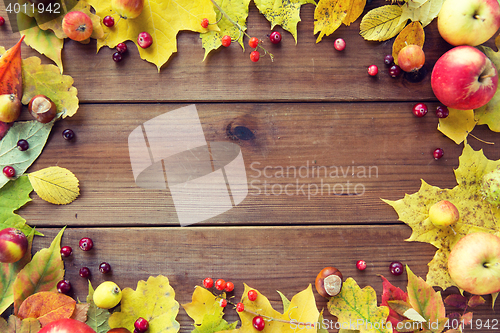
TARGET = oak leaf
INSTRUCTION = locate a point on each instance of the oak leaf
(10, 71)
(154, 300)
(47, 306)
(42, 273)
(458, 124)
(382, 23)
(412, 34)
(476, 214)
(55, 184)
(160, 18)
(97, 318)
(357, 309)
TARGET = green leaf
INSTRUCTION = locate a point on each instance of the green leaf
(489, 114)
(286, 301)
(97, 318)
(285, 13)
(32, 131)
(41, 274)
(213, 323)
(16, 325)
(458, 124)
(423, 11)
(43, 41)
(382, 23)
(8, 274)
(13, 196)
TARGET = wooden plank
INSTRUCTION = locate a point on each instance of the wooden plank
(388, 148)
(266, 258)
(306, 71)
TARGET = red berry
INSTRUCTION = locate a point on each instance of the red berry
(121, 47)
(220, 284)
(240, 307)
(275, 37)
(438, 153)
(255, 56)
(2, 21)
(68, 134)
(339, 44)
(226, 41)
(141, 325)
(419, 110)
(117, 57)
(258, 323)
(442, 111)
(208, 283)
(361, 265)
(373, 70)
(63, 286)
(394, 71)
(104, 268)
(22, 145)
(396, 268)
(204, 23)
(229, 286)
(86, 244)
(66, 251)
(222, 303)
(252, 295)
(108, 21)
(144, 40)
(9, 171)
(84, 272)
(388, 59)
(253, 42)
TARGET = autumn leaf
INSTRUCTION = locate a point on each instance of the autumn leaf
(328, 16)
(412, 34)
(423, 11)
(456, 300)
(55, 184)
(81, 311)
(8, 274)
(203, 303)
(354, 12)
(97, 318)
(285, 13)
(47, 306)
(43, 41)
(154, 300)
(16, 325)
(475, 301)
(458, 124)
(10, 70)
(392, 293)
(382, 23)
(13, 196)
(476, 214)
(32, 131)
(357, 309)
(42, 273)
(162, 19)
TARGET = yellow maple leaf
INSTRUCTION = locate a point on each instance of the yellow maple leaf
(153, 300)
(458, 124)
(329, 15)
(382, 23)
(412, 34)
(476, 214)
(203, 303)
(162, 19)
(55, 184)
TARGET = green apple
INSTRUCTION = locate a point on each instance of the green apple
(443, 214)
(474, 263)
(468, 22)
(10, 108)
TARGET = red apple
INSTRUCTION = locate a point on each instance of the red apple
(66, 326)
(411, 58)
(118, 330)
(474, 263)
(4, 128)
(128, 9)
(13, 245)
(443, 213)
(77, 25)
(464, 78)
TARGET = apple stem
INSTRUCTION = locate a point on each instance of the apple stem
(486, 76)
(478, 17)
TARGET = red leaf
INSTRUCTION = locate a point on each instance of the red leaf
(392, 293)
(456, 300)
(476, 300)
(47, 306)
(467, 318)
(11, 81)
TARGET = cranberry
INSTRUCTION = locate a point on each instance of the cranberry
(373, 70)
(361, 265)
(117, 57)
(121, 47)
(144, 40)
(66, 251)
(388, 59)
(63, 286)
(84, 272)
(275, 37)
(68, 134)
(258, 323)
(22, 145)
(141, 325)
(419, 110)
(86, 244)
(9, 171)
(442, 111)
(394, 71)
(339, 44)
(108, 21)
(104, 268)
(438, 153)
(396, 268)
(2, 21)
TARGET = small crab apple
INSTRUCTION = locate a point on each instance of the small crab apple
(128, 9)
(339, 44)
(42, 108)
(329, 282)
(361, 265)
(226, 40)
(144, 40)
(77, 25)
(443, 213)
(254, 56)
(373, 70)
(13, 245)
(10, 108)
(438, 153)
(419, 110)
(275, 37)
(107, 295)
(411, 58)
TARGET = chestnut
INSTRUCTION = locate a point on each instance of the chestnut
(42, 108)
(329, 282)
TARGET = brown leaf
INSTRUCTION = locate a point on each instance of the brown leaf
(11, 81)
(476, 300)
(456, 300)
(80, 312)
(47, 306)
(466, 318)
(412, 34)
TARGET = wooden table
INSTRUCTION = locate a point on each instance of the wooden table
(312, 106)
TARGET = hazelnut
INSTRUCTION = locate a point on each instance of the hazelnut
(329, 282)
(42, 108)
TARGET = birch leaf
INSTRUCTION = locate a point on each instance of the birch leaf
(55, 184)
(457, 125)
(382, 23)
